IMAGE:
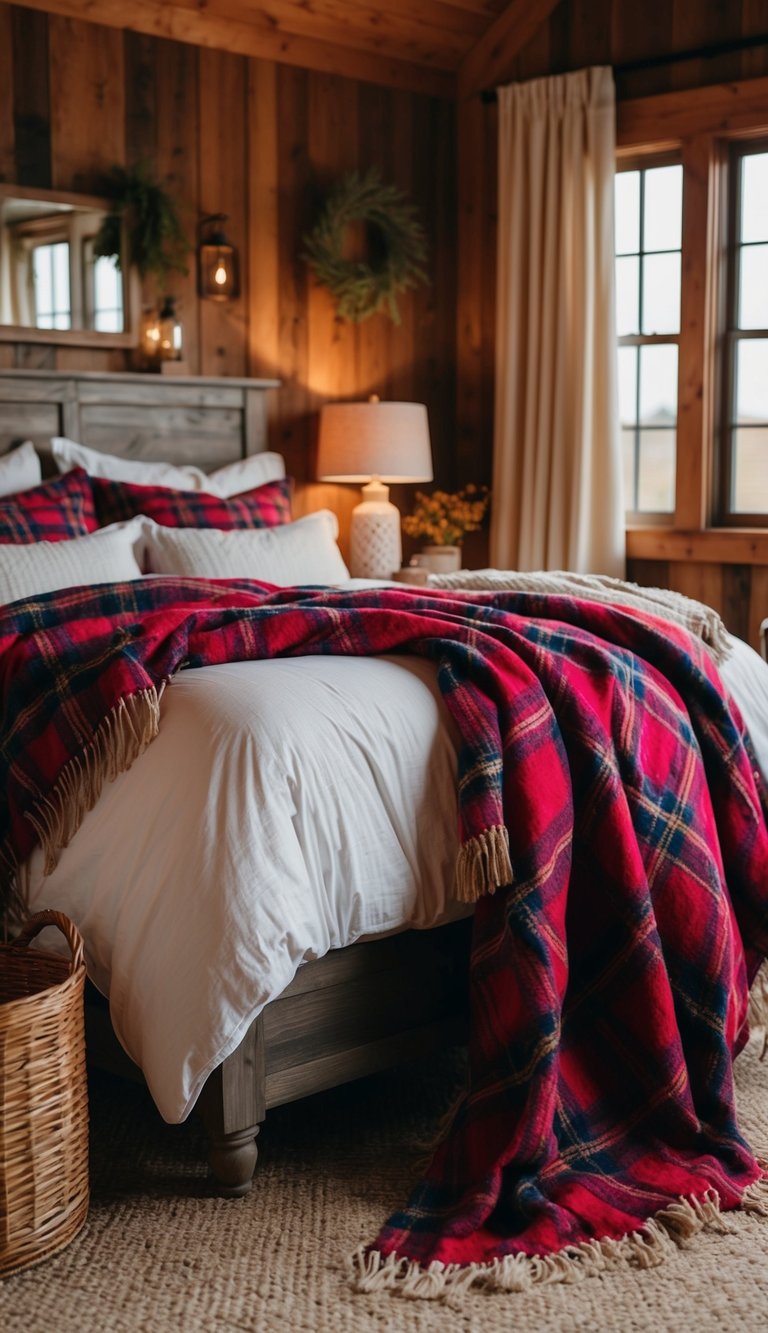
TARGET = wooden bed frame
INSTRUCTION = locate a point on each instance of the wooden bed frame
(355, 1011)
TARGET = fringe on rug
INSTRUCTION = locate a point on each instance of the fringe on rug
(483, 864)
(122, 736)
(647, 1247)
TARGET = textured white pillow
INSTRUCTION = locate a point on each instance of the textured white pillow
(242, 475)
(20, 469)
(105, 556)
(304, 551)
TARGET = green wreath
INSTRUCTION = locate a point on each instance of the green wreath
(396, 244)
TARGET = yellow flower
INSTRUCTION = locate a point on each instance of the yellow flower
(443, 518)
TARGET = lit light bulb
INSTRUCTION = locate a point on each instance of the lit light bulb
(220, 276)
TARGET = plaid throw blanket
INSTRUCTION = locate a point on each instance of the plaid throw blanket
(606, 789)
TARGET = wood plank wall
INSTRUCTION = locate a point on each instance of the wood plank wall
(579, 34)
(261, 142)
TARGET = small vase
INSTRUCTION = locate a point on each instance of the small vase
(439, 559)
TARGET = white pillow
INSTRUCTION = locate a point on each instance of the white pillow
(242, 475)
(106, 556)
(245, 474)
(304, 551)
(20, 469)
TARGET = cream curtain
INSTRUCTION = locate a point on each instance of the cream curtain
(557, 486)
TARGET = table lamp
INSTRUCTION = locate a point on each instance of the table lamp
(376, 443)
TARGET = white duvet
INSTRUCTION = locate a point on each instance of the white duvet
(285, 809)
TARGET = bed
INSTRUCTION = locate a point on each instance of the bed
(327, 1023)
(345, 847)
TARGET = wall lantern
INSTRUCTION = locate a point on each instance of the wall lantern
(218, 267)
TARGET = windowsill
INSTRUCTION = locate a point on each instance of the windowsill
(738, 546)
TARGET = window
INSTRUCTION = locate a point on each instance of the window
(648, 275)
(744, 471)
(103, 294)
(56, 281)
(50, 282)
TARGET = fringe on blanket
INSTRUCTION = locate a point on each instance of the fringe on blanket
(123, 735)
(483, 864)
(647, 1247)
(694, 616)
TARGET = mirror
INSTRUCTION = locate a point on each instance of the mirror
(52, 287)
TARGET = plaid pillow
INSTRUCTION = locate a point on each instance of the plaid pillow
(264, 507)
(52, 512)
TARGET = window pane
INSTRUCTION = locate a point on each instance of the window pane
(658, 385)
(627, 296)
(41, 267)
(628, 460)
(661, 294)
(751, 380)
(656, 486)
(663, 213)
(754, 197)
(61, 281)
(750, 468)
(107, 296)
(627, 195)
(753, 287)
(107, 284)
(628, 385)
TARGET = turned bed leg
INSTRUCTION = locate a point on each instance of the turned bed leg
(232, 1105)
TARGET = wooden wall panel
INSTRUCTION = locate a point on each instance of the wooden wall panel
(222, 188)
(87, 129)
(263, 216)
(263, 143)
(31, 99)
(7, 162)
(738, 592)
(161, 135)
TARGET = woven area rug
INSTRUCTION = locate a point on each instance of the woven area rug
(159, 1252)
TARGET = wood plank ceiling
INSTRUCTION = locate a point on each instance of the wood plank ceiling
(440, 47)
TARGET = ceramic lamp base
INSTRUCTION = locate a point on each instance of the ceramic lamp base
(375, 545)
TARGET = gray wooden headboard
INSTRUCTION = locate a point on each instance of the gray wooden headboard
(208, 422)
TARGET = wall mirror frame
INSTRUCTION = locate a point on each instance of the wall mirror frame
(60, 227)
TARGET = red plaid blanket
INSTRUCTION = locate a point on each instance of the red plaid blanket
(608, 978)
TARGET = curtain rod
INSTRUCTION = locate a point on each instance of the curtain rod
(488, 95)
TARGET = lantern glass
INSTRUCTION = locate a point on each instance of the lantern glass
(219, 277)
(171, 336)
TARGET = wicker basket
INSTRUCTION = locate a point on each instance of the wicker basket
(43, 1097)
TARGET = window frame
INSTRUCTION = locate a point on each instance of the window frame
(731, 336)
(702, 123)
(648, 161)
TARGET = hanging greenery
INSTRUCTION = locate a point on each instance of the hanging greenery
(156, 241)
(396, 244)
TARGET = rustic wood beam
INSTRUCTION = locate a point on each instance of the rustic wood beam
(490, 59)
(721, 109)
(203, 28)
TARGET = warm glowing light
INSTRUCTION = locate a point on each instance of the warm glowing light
(220, 276)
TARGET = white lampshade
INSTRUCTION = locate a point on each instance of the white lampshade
(363, 440)
(374, 442)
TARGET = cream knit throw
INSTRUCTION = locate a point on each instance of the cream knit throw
(662, 602)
